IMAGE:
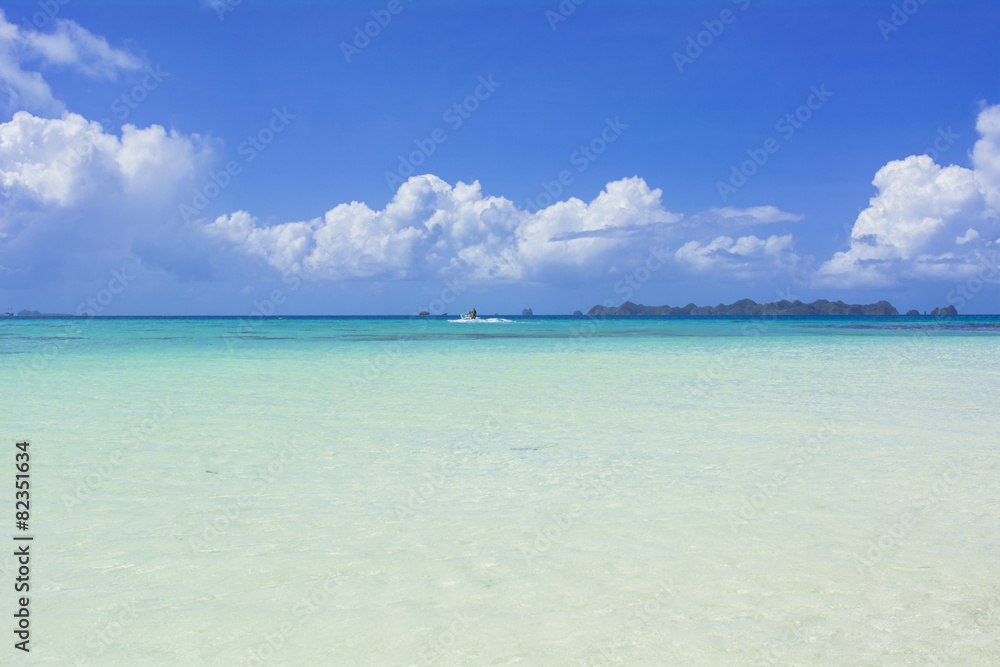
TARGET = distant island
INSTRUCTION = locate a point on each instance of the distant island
(743, 307)
(750, 307)
(35, 313)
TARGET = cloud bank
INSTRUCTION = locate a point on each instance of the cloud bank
(927, 222)
(77, 194)
(431, 228)
(77, 199)
(64, 161)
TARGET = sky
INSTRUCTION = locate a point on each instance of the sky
(241, 157)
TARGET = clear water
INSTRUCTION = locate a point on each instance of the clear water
(537, 491)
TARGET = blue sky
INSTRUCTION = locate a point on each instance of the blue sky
(225, 157)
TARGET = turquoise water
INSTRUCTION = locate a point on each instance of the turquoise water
(536, 491)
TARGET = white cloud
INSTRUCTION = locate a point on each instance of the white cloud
(755, 215)
(428, 225)
(745, 258)
(919, 202)
(921, 215)
(75, 199)
(864, 265)
(52, 161)
(62, 161)
(970, 235)
(432, 228)
(69, 45)
(584, 238)
(986, 156)
(72, 45)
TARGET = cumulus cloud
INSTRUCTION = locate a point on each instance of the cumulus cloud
(427, 223)
(583, 238)
(926, 220)
(986, 157)
(75, 195)
(433, 228)
(69, 45)
(745, 258)
(62, 161)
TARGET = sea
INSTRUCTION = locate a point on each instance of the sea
(507, 491)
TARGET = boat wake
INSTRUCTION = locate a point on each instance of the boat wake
(488, 320)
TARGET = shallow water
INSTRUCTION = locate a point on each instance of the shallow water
(538, 491)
